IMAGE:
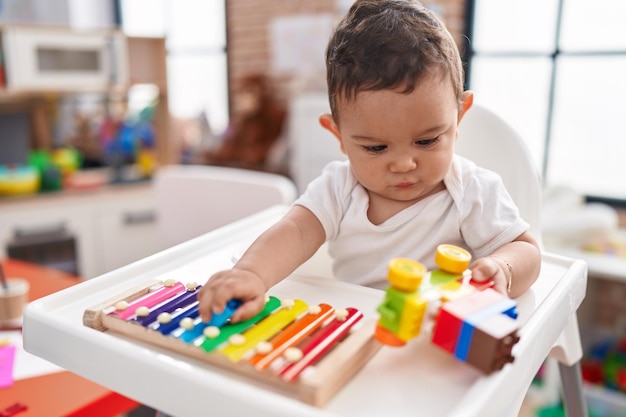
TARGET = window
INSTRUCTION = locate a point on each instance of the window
(554, 70)
(196, 52)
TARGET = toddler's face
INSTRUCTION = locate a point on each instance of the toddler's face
(400, 146)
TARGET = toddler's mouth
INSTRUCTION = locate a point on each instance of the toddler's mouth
(404, 185)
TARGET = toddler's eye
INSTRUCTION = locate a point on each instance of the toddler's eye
(375, 149)
(427, 142)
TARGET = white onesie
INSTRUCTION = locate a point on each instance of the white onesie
(474, 211)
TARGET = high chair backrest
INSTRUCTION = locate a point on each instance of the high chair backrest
(490, 142)
(194, 199)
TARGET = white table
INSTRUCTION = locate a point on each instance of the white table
(418, 379)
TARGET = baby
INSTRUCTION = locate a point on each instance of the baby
(395, 86)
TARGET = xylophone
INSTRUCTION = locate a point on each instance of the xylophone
(306, 352)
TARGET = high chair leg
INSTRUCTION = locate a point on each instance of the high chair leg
(568, 352)
(573, 398)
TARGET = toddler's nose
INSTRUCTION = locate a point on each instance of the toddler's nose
(403, 163)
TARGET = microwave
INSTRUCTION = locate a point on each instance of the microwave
(61, 59)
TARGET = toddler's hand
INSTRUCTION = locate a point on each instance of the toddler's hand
(232, 284)
(485, 269)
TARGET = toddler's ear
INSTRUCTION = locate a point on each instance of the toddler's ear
(468, 100)
(327, 122)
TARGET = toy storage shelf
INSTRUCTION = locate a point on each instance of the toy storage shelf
(142, 60)
(600, 265)
(607, 274)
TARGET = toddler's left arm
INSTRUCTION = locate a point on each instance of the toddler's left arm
(514, 267)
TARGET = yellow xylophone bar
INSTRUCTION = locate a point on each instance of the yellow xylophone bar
(264, 330)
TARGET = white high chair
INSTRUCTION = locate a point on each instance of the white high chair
(490, 142)
(419, 378)
(194, 199)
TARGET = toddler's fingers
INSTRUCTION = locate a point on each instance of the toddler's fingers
(250, 295)
(487, 269)
(484, 269)
(248, 309)
(206, 304)
(478, 274)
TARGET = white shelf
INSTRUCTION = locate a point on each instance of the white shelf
(599, 265)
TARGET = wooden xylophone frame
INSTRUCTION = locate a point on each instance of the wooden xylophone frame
(316, 386)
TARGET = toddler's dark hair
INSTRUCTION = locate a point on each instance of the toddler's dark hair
(388, 44)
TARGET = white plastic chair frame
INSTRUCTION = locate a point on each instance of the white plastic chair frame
(489, 141)
(194, 199)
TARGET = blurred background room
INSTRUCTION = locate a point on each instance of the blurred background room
(96, 96)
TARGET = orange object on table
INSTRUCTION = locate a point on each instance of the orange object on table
(61, 393)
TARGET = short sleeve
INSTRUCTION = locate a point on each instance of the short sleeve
(489, 216)
(327, 196)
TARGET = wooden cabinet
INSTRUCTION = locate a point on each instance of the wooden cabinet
(51, 232)
(111, 227)
(126, 228)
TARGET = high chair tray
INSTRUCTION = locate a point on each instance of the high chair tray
(418, 379)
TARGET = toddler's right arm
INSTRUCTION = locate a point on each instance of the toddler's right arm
(271, 258)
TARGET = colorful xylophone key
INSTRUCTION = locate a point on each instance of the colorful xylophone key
(321, 342)
(125, 311)
(217, 320)
(180, 301)
(211, 343)
(292, 335)
(264, 330)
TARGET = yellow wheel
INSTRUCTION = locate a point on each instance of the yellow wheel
(405, 274)
(452, 258)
